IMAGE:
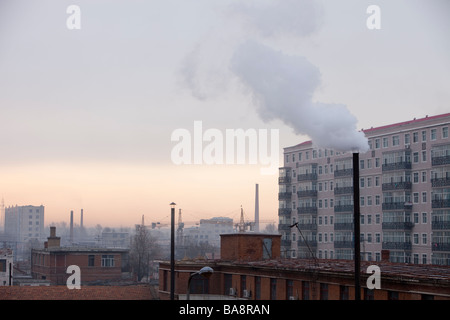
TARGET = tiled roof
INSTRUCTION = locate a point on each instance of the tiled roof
(135, 292)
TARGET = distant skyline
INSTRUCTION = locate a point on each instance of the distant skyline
(87, 115)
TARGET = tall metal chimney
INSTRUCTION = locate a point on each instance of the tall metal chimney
(81, 219)
(71, 226)
(256, 209)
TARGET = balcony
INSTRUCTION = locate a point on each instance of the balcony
(402, 165)
(343, 226)
(397, 245)
(307, 177)
(286, 243)
(343, 208)
(439, 246)
(401, 205)
(307, 226)
(440, 225)
(311, 243)
(343, 190)
(307, 193)
(284, 196)
(284, 180)
(303, 210)
(438, 161)
(443, 203)
(284, 227)
(344, 244)
(284, 211)
(440, 182)
(343, 172)
(404, 185)
(405, 225)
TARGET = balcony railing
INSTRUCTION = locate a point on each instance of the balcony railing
(343, 172)
(440, 182)
(307, 193)
(442, 203)
(307, 226)
(437, 161)
(397, 245)
(307, 177)
(440, 225)
(284, 196)
(284, 211)
(343, 208)
(284, 180)
(401, 205)
(439, 246)
(406, 225)
(284, 227)
(403, 165)
(343, 226)
(344, 244)
(343, 190)
(302, 210)
(404, 185)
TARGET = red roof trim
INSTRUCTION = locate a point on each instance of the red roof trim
(407, 122)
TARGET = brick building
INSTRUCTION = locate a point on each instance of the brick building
(96, 264)
(245, 271)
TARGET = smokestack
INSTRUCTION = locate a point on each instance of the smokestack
(256, 209)
(71, 226)
(356, 222)
(81, 219)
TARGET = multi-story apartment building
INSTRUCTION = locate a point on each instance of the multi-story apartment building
(24, 223)
(404, 186)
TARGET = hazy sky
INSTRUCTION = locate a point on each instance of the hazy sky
(87, 114)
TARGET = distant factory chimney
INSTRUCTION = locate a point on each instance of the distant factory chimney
(256, 209)
(81, 219)
(71, 226)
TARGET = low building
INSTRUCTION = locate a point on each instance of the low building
(245, 271)
(6, 267)
(97, 265)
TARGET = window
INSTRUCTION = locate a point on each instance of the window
(273, 289)
(305, 290)
(385, 142)
(407, 138)
(424, 197)
(91, 259)
(324, 291)
(343, 293)
(395, 140)
(444, 132)
(415, 137)
(433, 134)
(424, 217)
(424, 238)
(107, 260)
(424, 136)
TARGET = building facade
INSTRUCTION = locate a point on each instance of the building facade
(404, 185)
(96, 264)
(24, 223)
(6, 269)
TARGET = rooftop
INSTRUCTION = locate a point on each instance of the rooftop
(134, 292)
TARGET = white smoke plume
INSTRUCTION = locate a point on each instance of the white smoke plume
(282, 86)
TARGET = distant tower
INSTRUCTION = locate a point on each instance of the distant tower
(2, 215)
(180, 229)
(81, 219)
(71, 226)
(257, 209)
